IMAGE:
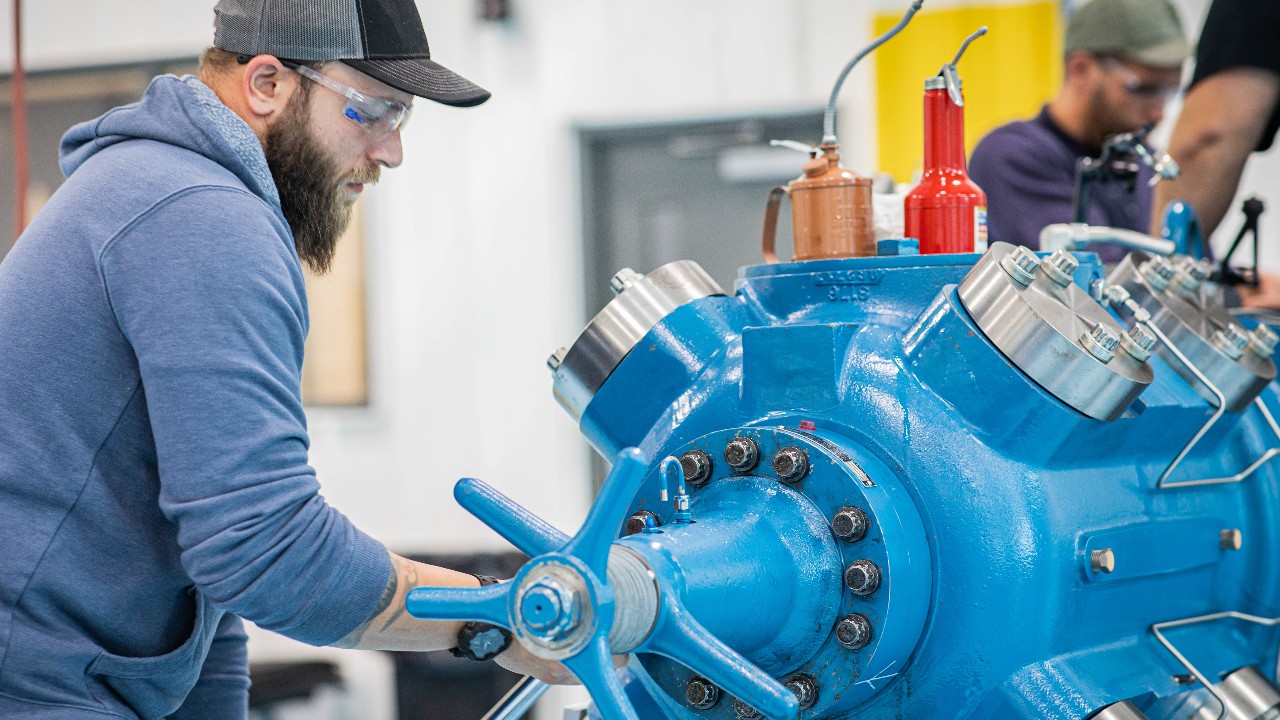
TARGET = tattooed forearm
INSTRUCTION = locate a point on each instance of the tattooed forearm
(388, 596)
(410, 571)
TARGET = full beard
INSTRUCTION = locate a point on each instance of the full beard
(313, 193)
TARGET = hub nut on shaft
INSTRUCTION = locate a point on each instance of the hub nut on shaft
(742, 453)
(701, 694)
(862, 577)
(636, 522)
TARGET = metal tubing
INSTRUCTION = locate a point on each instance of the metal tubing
(1162, 483)
(1195, 672)
(518, 700)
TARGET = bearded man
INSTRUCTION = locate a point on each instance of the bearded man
(154, 485)
(1122, 65)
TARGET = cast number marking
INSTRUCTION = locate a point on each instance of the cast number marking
(849, 285)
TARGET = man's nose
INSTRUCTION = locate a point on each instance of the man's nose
(388, 151)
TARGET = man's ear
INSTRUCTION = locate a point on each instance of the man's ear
(1078, 64)
(267, 86)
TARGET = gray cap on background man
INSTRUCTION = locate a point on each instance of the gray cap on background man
(1146, 31)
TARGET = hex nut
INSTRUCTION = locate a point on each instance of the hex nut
(556, 359)
(862, 577)
(850, 524)
(636, 523)
(1231, 539)
(1263, 340)
(1021, 265)
(1060, 267)
(1231, 340)
(1157, 272)
(697, 466)
(805, 689)
(623, 279)
(854, 631)
(791, 463)
(701, 694)
(742, 453)
(744, 711)
(1138, 342)
(1100, 342)
(1103, 561)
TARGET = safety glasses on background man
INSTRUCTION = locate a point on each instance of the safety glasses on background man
(1134, 84)
(378, 116)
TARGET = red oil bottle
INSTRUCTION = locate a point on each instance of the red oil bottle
(947, 211)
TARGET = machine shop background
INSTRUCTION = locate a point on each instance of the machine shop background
(483, 252)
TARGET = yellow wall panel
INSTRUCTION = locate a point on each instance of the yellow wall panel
(1008, 74)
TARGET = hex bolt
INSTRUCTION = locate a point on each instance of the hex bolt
(1061, 267)
(697, 466)
(1157, 272)
(1230, 539)
(862, 577)
(556, 359)
(1100, 342)
(549, 609)
(1116, 294)
(1263, 341)
(1189, 274)
(623, 279)
(1231, 340)
(744, 711)
(1138, 342)
(742, 453)
(701, 694)
(1103, 561)
(805, 689)
(854, 631)
(850, 524)
(636, 523)
(791, 463)
(1021, 264)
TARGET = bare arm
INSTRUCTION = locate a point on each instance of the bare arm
(1219, 126)
(391, 627)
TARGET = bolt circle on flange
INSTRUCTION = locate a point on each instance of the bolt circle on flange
(1231, 340)
(854, 631)
(701, 694)
(744, 711)
(1157, 272)
(1021, 265)
(805, 689)
(742, 453)
(697, 466)
(1138, 343)
(636, 523)
(850, 524)
(862, 577)
(791, 463)
(623, 279)
(1263, 341)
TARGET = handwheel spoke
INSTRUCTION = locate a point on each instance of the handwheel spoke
(591, 544)
(683, 639)
(594, 667)
(529, 533)
(488, 604)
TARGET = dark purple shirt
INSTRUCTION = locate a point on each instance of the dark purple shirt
(1028, 170)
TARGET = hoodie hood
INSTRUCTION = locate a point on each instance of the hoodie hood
(182, 112)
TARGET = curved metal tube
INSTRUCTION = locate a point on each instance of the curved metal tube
(829, 118)
(1072, 236)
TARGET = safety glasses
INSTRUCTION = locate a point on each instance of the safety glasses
(1135, 87)
(378, 116)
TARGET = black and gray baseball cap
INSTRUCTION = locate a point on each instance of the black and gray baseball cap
(1148, 31)
(381, 38)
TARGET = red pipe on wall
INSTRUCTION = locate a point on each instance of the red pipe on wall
(19, 108)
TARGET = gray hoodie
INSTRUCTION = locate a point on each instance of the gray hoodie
(153, 450)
